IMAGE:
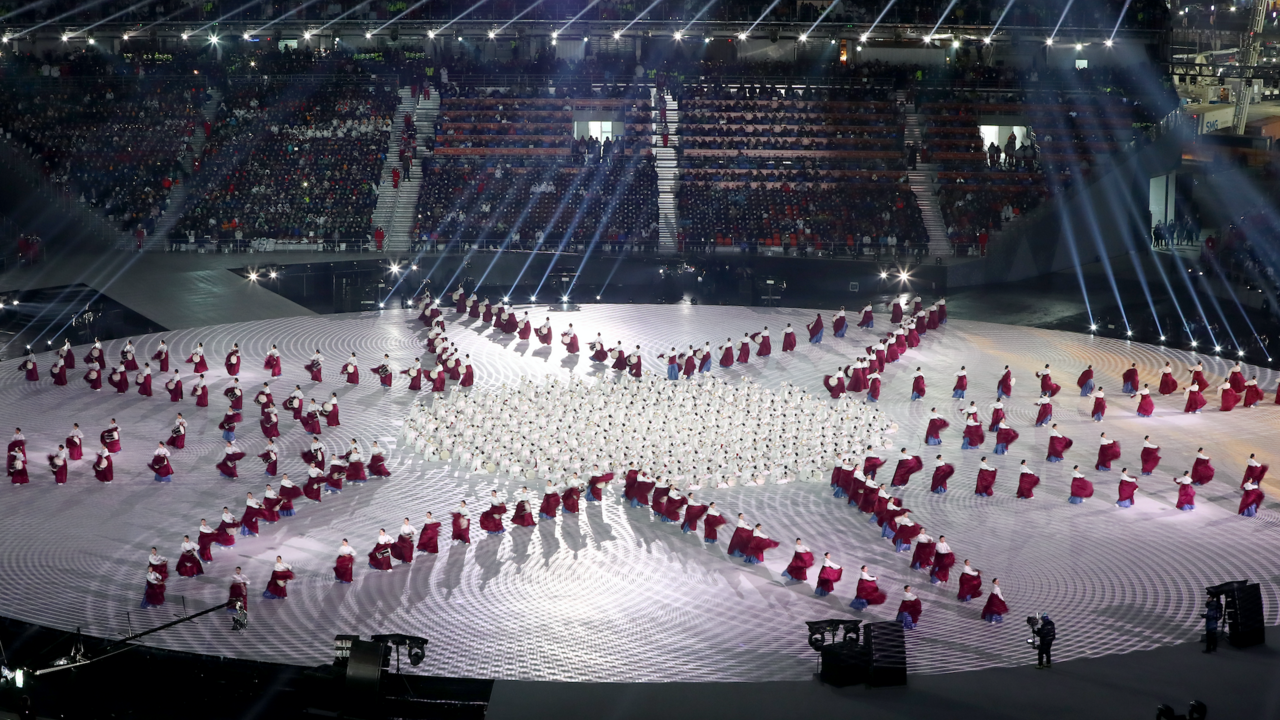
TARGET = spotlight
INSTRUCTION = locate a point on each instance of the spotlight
(564, 299)
(833, 41)
(555, 34)
(742, 36)
(1107, 43)
(1093, 327)
(986, 41)
(903, 276)
(1161, 338)
(505, 298)
(1079, 46)
(417, 651)
(584, 39)
(1217, 348)
(253, 276)
(15, 302)
(884, 275)
(65, 37)
(1240, 353)
(273, 274)
(1128, 332)
(678, 35)
(955, 43)
(865, 36)
(306, 35)
(1048, 41)
(413, 267)
(533, 298)
(928, 39)
(382, 305)
(1194, 343)
(253, 63)
(804, 37)
(859, 48)
(617, 35)
(184, 36)
(706, 40)
(246, 36)
(431, 34)
(492, 34)
(213, 39)
(597, 297)
(368, 36)
(93, 41)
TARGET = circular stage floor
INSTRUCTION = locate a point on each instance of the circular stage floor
(611, 595)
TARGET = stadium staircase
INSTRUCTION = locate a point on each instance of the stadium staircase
(923, 183)
(665, 161)
(394, 211)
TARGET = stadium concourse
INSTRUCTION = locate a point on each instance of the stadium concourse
(610, 591)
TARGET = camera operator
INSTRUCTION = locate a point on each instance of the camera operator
(1045, 632)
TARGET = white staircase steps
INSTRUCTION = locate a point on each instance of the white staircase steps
(666, 161)
(922, 182)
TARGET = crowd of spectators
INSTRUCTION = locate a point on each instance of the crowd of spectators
(1100, 14)
(291, 162)
(115, 144)
(539, 202)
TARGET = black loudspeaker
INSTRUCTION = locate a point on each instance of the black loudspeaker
(845, 663)
(364, 672)
(888, 649)
(1244, 617)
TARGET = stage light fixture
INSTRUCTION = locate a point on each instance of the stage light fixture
(413, 267)
(884, 275)
(417, 651)
(742, 36)
(617, 35)
(505, 298)
(678, 35)
(1048, 41)
(273, 274)
(431, 34)
(1240, 353)
(986, 41)
(492, 34)
(93, 41)
(1079, 46)
(185, 36)
(533, 298)
(1161, 338)
(253, 276)
(1093, 327)
(1108, 43)
(804, 37)
(833, 41)
(564, 299)
(65, 37)
(306, 35)
(928, 39)
(1217, 348)
(865, 36)
(246, 36)
(598, 297)
(368, 36)
(382, 305)
(903, 276)
(1128, 332)
(955, 43)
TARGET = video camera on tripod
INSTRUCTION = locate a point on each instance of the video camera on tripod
(1033, 622)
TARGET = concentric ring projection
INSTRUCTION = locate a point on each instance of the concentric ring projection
(610, 595)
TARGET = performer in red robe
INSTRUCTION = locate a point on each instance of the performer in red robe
(462, 524)
(868, 592)
(986, 479)
(711, 524)
(741, 538)
(1146, 407)
(232, 362)
(278, 585)
(1085, 382)
(1027, 482)
(942, 471)
(1252, 392)
(801, 561)
(1005, 436)
(828, 576)
(188, 564)
(1004, 388)
(380, 555)
(1150, 455)
(428, 537)
(1251, 500)
(491, 519)
(995, 609)
(907, 466)
(1047, 385)
(1108, 450)
(917, 385)
(153, 595)
(1168, 384)
(970, 583)
(937, 423)
(1130, 379)
(384, 372)
(868, 318)
(789, 340)
(943, 559)
(764, 346)
(909, 609)
(161, 356)
(346, 561)
(1081, 488)
(1128, 486)
(1059, 444)
(1202, 468)
(402, 550)
(1186, 501)
(1254, 471)
(834, 384)
(815, 330)
(922, 557)
(1195, 399)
